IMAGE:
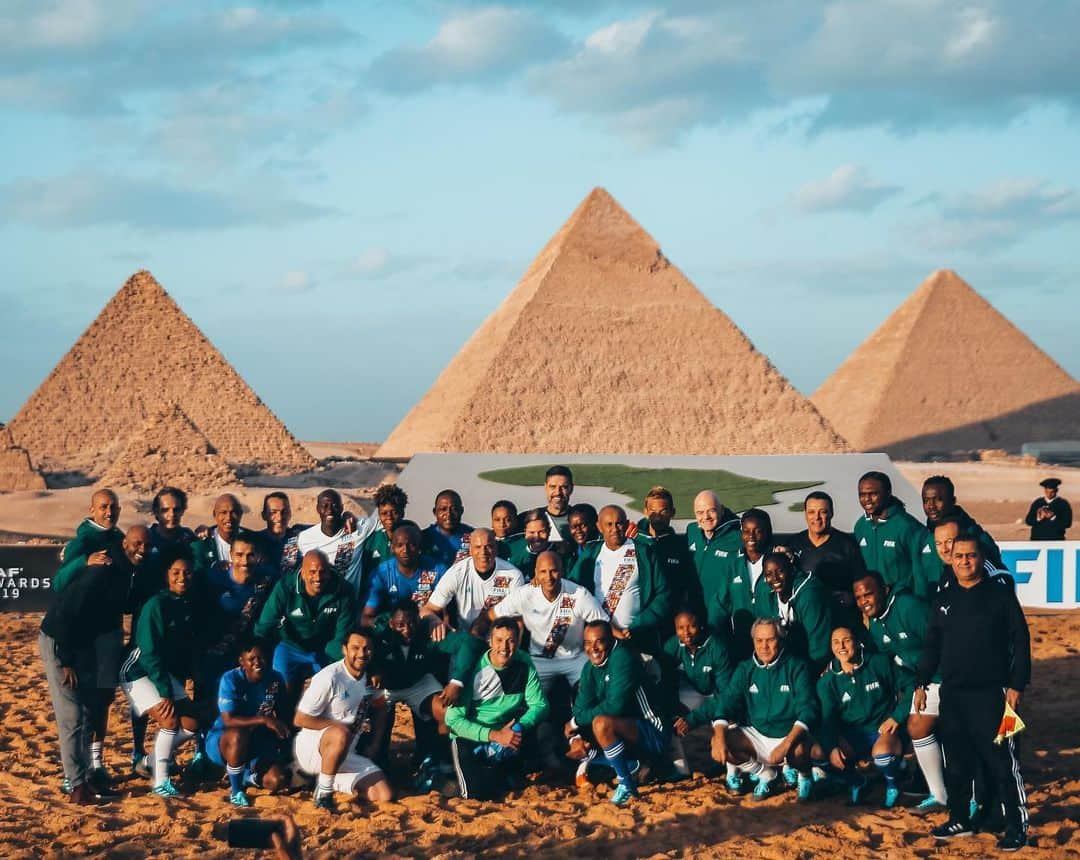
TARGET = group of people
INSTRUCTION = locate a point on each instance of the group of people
(563, 641)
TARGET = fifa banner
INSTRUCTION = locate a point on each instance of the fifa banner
(1047, 572)
(26, 574)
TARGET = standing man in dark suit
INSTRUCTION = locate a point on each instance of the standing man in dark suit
(1050, 516)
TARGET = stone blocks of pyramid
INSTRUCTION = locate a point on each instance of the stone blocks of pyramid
(168, 450)
(605, 347)
(946, 372)
(141, 353)
(16, 472)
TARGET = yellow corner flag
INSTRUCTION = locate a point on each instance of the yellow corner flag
(1011, 724)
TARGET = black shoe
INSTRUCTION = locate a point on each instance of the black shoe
(101, 787)
(952, 829)
(988, 822)
(1013, 840)
(81, 795)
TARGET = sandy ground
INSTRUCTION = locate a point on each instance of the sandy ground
(695, 818)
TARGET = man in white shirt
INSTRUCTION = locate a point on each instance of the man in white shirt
(474, 584)
(339, 708)
(554, 611)
(334, 539)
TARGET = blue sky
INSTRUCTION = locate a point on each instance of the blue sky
(339, 193)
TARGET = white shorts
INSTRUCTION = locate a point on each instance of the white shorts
(933, 701)
(763, 744)
(144, 696)
(415, 695)
(550, 668)
(354, 769)
(690, 698)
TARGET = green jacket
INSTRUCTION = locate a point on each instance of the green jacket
(653, 622)
(618, 688)
(770, 698)
(862, 700)
(810, 631)
(460, 649)
(708, 671)
(673, 553)
(896, 547)
(520, 556)
(729, 604)
(374, 551)
(164, 642)
(311, 624)
(494, 697)
(900, 631)
(89, 538)
(710, 554)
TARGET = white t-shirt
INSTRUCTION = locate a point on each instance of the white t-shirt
(556, 629)
(755, 569)
(473, 594)
(224, 548)
(616, 583)
(335, 694)
(342, 549)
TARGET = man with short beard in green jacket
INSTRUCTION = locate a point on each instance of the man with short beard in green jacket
(890, 539)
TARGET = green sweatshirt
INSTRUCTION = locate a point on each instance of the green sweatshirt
(89, 538)
(810, 604)
(165, 642)
(374, 551)
(862, 700)
(618, 688)
(896, 548)
(708, 670)
(318, 624)
(710, 556)
(520, 556)
(494, 697)
(899, 632)
(676, 561)
(398, 670)
(771, 698)
(653, 622)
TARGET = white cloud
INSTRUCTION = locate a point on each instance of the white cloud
(849, 188)
(377, 263)
(296, 281)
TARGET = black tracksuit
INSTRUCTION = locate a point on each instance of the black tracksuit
(978, 639)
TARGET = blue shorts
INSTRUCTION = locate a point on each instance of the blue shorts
(652, 743)
(264, 749)
(295, 665)
(862, 742)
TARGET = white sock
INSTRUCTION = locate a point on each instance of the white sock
(96, 759)
(325, 785)
(731, 769)
(163, 749)
(928, 752)
(678, 754)
(768, 774)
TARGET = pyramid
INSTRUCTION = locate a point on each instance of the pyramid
(140, 353)
(605, 347)
(168, 450)
(945, 373)
(16, 473)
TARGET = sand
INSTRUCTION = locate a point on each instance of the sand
(604, 346)
(691, 819)
(946, 372)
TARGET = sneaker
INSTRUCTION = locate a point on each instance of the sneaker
(238, 798)
(791, 776)
(988, 822)
(165, 789)
(929, 804)
(81, 795)
(581, 777)
(141, 767)
(735, 783)
(806, 788)
(763, 790)
(200, 767)
(326, 803)
(99, 776)
(101, 785)
(952, 829)
(856, 792)
(679, 770)
(622, 794)
(892, 795)
(1013, 840)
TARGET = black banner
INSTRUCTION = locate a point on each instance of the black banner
(26, 574)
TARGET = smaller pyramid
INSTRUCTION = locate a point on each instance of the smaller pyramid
(946, 372)
(16, 472)
(168, 450)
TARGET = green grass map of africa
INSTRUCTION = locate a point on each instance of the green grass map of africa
(737, 492)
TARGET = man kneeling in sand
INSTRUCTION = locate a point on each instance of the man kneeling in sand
(339, 709)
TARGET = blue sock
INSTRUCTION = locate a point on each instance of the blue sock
(887, 764)
(236, 778)
(616, 758)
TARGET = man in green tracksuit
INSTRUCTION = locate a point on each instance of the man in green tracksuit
(308, 614)
(97, 539)
(863, 710)
(729, 603)
(627, 579)
(710, 540)
(616, 707)
(499, 709)
(802, 603)
(891, 540)
(771, 696)
(897, 622)
(669, 547)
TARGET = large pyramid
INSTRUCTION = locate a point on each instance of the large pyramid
(946, 372)
(16, 473)
(168, 450)
(605, 347)
(141, 353)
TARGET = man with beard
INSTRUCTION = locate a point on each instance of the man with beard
(406, 575)
(447, 539)
(558, 488)
(338, 539)
(891, 540)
